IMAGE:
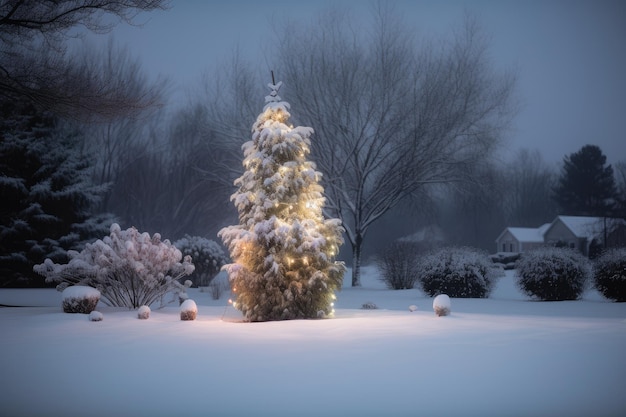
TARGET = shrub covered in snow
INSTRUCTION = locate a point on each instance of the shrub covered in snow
(553, 273)
(399, 265)
(188, 310)
(610, 274)
(442, 305)
(129, 268)
(143, 313)
(207, 256)
(96, 316)
(80, 299)
(459, 272)
(369, 305)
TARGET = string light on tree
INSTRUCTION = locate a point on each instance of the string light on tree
(283, 248)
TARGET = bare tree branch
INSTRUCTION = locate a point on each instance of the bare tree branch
(36, 65)
(391, 118)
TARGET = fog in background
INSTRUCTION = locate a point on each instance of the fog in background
(541, 79)
(569, 54)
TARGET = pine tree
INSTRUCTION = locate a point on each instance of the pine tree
(586, 186)
(283, 249)
(48, 193)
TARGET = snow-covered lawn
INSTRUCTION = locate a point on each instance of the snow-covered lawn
(503, 356)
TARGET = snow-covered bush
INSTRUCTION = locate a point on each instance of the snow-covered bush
(129, 268)
(143, 313)
(457, 271)
(369, 305)
(553, 273)
(188, 310)
(207, 256)
(96, 316)
(610, 274)
(80, 299)
(399, 265)
(442, 305)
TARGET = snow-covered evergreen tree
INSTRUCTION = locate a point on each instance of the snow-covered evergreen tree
(283, 249)
(48, 193)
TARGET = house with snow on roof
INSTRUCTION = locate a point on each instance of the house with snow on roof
(521, 239)
(577, 232)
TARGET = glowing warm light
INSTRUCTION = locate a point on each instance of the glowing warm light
(230, 301)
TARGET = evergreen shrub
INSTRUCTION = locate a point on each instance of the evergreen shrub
(553, 274)
(459, 272)
(207, 256)
(610, 274)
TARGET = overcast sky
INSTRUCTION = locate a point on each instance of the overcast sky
(570, 55)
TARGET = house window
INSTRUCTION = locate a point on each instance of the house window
(504, 247)
(510, 247)
(572, 245)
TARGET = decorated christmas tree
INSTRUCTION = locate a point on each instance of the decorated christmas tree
(283, 249)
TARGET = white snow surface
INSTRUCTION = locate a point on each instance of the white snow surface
(80, 292)
(502, 356)
(189, 306)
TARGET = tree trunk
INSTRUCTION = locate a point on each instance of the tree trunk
(356, 261)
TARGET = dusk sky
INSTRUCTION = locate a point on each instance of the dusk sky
(570, 56)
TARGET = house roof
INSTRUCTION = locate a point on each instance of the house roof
(580, 226)
(527, 234)
(583, 226)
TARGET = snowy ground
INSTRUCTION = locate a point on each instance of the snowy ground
(503, 356)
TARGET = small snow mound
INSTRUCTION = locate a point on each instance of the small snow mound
(188, 310)
(95, 316)
(143, 313)
(412, 308)
(441, 305)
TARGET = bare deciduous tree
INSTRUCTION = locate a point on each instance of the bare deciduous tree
(391, 118)
(34, 62)
(229, 100)
(527, 190)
